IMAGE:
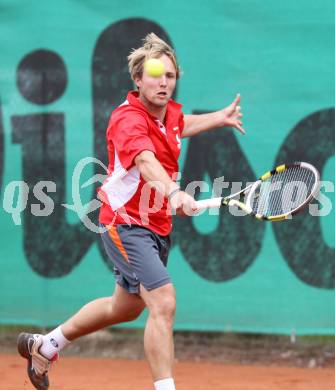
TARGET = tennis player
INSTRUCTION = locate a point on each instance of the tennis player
(143, 141)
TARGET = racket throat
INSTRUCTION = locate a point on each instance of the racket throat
(234, 202)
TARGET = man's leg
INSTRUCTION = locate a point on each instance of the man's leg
(158, 335)
(103, 312)
(39, 350)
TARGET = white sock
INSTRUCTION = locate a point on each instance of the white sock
(165, 384)
(53, 343)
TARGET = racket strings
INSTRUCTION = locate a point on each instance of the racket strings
(283, 192)
(294, 190)
(288, 178)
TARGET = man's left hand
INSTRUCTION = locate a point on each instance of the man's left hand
(231, 115)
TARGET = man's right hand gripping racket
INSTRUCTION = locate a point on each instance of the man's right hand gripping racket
(276, 195)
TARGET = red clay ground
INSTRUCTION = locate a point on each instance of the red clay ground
(72, 373)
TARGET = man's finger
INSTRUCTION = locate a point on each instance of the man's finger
(180, 212)
(240, 129)
(236, 101)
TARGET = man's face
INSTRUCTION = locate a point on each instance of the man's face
(158, 90)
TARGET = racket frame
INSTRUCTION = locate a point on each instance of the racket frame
(250, 189)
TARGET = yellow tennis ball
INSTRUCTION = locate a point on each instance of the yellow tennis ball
(154, 67)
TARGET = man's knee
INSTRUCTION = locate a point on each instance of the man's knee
(125, 306)
(162, 302)
(166, 307)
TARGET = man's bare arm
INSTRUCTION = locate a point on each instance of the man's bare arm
(229, 116)
(156, 176)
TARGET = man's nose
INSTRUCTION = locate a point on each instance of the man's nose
(162, 80)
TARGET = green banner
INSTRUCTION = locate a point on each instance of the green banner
(63, 69)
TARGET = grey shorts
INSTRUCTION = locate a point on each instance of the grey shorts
(139, 256)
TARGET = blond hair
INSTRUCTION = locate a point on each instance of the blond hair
(153, 47)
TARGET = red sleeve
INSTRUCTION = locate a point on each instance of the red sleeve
(129, 134)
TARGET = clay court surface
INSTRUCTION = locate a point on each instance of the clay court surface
(72, 373)
(114, 360)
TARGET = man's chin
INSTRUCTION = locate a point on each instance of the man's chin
(161, 102)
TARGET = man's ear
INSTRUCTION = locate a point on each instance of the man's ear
(138, 82)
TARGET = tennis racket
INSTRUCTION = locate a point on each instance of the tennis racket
(275, 196)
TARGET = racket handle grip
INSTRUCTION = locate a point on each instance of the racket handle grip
(209, 203)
